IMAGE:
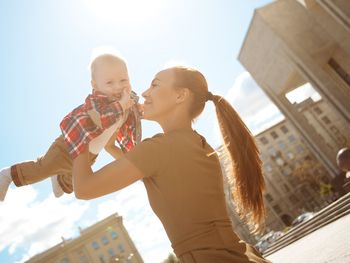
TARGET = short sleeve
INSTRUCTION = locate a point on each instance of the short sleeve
(150, 156)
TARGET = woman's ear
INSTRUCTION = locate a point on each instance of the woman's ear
(182, 95)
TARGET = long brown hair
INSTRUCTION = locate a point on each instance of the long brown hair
(246, 179)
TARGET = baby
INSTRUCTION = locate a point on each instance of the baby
(109, 114)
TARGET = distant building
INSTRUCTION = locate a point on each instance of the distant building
(104, 242)
(283, 151)
(290, 43)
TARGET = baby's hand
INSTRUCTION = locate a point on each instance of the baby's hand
(141, 109)
(125, 101)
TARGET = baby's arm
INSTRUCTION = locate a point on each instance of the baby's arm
(112, 149)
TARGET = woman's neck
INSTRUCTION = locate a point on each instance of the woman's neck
(172, 124)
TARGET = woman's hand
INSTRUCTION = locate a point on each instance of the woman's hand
(110, 178)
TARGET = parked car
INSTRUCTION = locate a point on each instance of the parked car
(302, 218)
(267, 240)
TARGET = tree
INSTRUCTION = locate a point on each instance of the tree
(171, 259)
(309, 172)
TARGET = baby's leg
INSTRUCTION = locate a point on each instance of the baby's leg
(56, 160)
(65, 180)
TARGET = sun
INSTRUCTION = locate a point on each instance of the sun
(123, 11)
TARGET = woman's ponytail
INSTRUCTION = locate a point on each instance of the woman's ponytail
(246, 179)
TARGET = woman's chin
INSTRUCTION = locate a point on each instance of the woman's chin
(148, 116)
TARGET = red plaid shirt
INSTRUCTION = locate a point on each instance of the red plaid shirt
(78, 128)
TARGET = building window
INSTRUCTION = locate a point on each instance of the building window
(339, 70)
(64, 260)
(83, 259)
(268, 167)
(105, 240)
(114, 235)
(339, 136)
(82, 256)
(95, 245)
(293, 199)
(121, 248)
(282, 145)
(326, 120)
(300, 148)
(284, 129)
(272, 151)
(269, 197)
(318, 110)
(263, 140)
(277, 209)
(290, 155)
(129, 259)
(291, 138)
(274, 135)
(280, 161)
(287, 171)
(111, 252)
(102, 258)
(286, 188)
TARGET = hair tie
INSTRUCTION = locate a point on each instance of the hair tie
(209, 96)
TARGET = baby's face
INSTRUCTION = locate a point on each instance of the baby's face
(111, 78)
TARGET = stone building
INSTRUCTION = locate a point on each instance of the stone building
(104, 242)
(291, 43)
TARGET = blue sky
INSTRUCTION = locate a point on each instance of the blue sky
(44, 53)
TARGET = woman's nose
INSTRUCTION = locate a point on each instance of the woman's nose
(145, 93)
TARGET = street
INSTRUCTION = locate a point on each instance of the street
(329, 244)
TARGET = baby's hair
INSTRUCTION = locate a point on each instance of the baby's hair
(104, 52)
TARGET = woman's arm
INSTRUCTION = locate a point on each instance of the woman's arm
(112, 149)
(110, 178)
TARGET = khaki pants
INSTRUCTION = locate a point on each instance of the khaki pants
(56, 161)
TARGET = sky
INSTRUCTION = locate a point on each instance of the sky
(45, 50)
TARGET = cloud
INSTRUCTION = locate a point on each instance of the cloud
(143, 226)
(32, 225)
(255, 108)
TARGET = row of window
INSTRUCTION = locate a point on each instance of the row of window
(102, 258)
(275, 135)
(116, 258)
(104, 240)
(265, 141)
(285, 130)
(96, 246)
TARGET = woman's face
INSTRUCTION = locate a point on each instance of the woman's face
(160, 98)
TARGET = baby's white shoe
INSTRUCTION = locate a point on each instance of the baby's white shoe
(56, 188)
(5, 181)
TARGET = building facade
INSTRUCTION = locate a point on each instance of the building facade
(104, 242)
(290, 43)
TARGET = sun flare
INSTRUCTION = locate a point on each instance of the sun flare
(124, 11)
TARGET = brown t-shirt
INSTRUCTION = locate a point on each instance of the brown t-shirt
(184, 184)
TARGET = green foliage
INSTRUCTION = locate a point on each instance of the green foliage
(171, 259)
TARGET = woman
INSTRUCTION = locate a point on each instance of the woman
(182, 173)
